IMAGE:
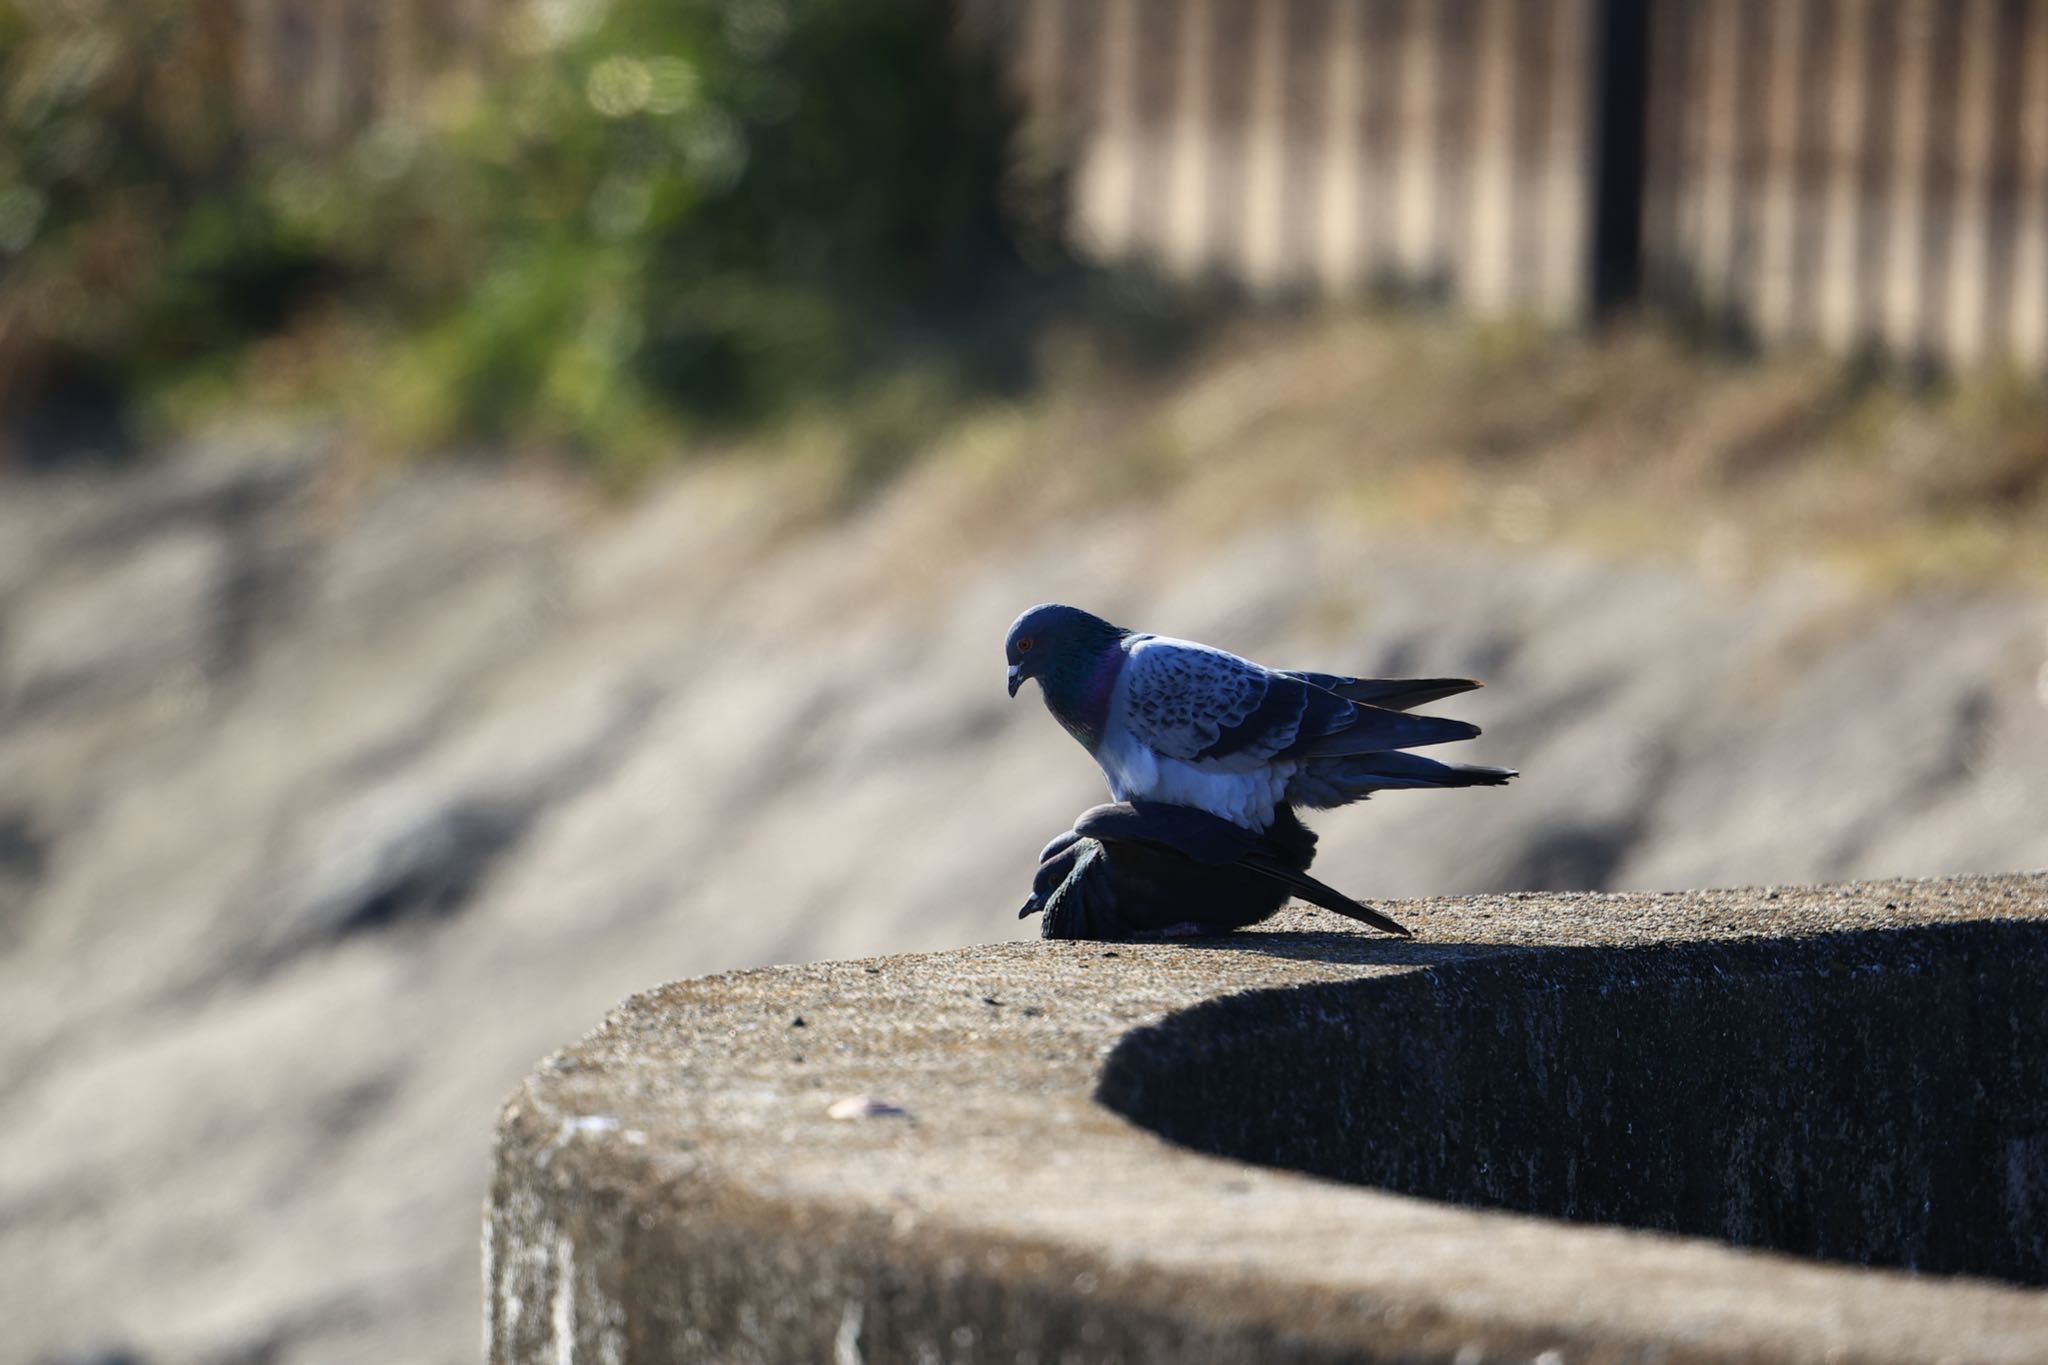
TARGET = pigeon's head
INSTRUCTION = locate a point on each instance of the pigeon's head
(1052, 637)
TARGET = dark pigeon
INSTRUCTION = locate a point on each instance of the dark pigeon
(1182, 723)
(1140, 868)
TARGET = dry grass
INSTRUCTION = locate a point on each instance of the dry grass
(1635, 444)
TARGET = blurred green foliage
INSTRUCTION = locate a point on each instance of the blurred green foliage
(641, 212)
(130, 239)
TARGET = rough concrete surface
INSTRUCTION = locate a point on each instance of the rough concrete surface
(1857, 1070)
(326, 806)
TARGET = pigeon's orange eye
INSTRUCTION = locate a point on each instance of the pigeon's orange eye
(1023, 646)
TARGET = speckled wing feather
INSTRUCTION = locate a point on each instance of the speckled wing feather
(1190, 702)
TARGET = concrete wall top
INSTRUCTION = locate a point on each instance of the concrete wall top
(959, 1156)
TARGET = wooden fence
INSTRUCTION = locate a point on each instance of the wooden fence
(1865, 174)
(1854, 173)
(311, 71)
(1860, 173)
(1432, 146)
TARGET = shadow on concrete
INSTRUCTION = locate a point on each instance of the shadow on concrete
(1878, 1097)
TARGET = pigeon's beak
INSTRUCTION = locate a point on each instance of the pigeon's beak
(1016, 678)
(1031, 907)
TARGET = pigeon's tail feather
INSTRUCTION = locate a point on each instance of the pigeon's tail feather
(1326, 782)
(1374, 728)
(1323, 894)
(1395, 694)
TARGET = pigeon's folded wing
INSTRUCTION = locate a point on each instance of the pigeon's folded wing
(1211, 842)
(1193, 834)
(1075, 890)
(1395, 694)
(1197, 704)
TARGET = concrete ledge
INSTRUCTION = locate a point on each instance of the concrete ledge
(1858, 1072)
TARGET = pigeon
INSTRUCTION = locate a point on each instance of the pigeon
(1140, 867)
(1186, 724)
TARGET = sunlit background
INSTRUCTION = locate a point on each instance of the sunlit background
(506, 502)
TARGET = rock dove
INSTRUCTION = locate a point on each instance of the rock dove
(1144, 868)
(1182, 723)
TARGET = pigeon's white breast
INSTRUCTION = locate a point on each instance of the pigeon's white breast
(1243, 796)
(1131, 768)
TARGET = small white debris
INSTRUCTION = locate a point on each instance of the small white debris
(866, 1107)
(846, 1343)
(576, 1127)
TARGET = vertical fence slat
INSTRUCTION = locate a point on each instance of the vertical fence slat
(1665, 146)
(1304, 94)
(1104, 213)
(1414, 180)
(1384, 114)
(1941, 183)
(1456, 26)
(2029, 323)
(1233, 26)
(2001, 116)
(1911, 86)
(1962, 334)
(1720, 115)
(1152, 97)
(1258, 248)
(1813, 163)
(1778, 179)
(1340, 242)
(1533, 62)
(1191, 161)
(1565, 273)
(1488, 275)
(1838, 316)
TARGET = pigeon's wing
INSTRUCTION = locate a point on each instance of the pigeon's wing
(1203, 838)
(1080, 900)
(1182, 699)
(1193, 834)
(1194, 703)
(1191, 702)
(1395, 694)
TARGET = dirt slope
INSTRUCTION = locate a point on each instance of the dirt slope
(326, 810)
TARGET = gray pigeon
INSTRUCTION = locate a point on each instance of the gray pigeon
(1144, 868)
(1185, 724)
